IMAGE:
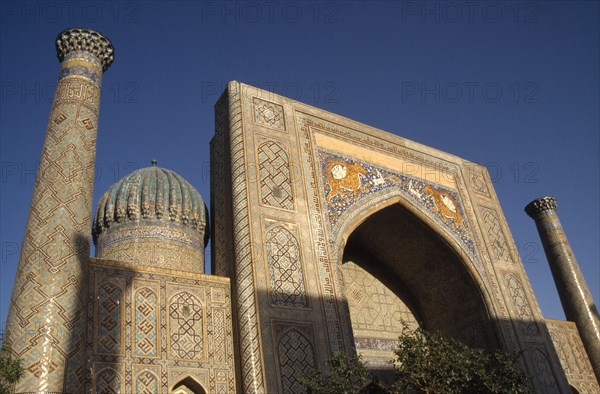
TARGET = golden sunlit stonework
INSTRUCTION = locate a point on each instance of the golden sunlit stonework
(326, 236)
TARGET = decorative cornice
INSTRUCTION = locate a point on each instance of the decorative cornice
(85, 40)
(535, 208)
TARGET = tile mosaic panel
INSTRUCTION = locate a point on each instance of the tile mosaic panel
(285, 267)
(543, 372)
(146, 383)
(268, 114)
(108, 381)
(109, 309)
(146, 323)
(346, 181)
(296, 355)
(521, 304)
(573, 356)
(186, 327)
(275, 175)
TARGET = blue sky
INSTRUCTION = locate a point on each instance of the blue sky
(510, 85)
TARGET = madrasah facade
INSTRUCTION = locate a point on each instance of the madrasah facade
(326, 235)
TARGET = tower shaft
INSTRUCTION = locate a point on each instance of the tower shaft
(46, 323)
(575, 296)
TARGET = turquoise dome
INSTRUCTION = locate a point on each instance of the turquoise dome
(151, 208)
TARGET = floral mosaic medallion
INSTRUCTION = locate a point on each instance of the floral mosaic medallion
(347, 181)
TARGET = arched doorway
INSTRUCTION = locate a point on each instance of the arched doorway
(188, 386)
(396, 267)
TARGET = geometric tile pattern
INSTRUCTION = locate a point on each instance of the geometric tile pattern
(285, 270)
(478, 182)
(275, 180)
(146, 323)
(495, 235)
(375, 309)
(109, 319)
(146, 383)
(219, 336)
(296, 356)
(242, 121)
(516, 292)
(49, 292)
(326, 265)
(346, 181)
(186, 336)
(376, 312)
(165, 328)
(248, 327)
(268, 114)
(544, 375)
(573, 356)
(108, 381)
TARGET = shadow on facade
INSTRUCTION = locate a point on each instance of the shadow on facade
(313, 347)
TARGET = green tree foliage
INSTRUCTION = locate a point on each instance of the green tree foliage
(346, 375)
(426, 362)
(10, 369)
(429, 362)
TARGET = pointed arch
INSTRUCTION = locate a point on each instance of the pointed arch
(355, 215)
(421, 261)
(188, 385)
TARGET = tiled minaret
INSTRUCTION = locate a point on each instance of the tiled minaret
(46, 321)
(574, 293)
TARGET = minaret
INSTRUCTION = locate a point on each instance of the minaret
(574, 293)
(46, 322)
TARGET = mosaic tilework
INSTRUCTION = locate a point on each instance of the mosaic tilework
(186, 327)
(155, 217)
(516, 292)
(285, 269)
(275, 180)
(478, 182)
(235, 149)
(145, 379)
(376, 313)
(346, 181)
(151, 194)
(296, 355)
(220, 183)
(544, 375)
(56, 242)
(108, 381)
(219, 349)
(268, 114)
(375, 309)
(248, 325)
(146, 383)
(572, 355)
(495, 235)
(146, 323)
(183, 381)
(109, 319)
(327, 272)
(169, 325)
(159, 247)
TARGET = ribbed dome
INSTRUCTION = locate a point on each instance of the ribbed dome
(151, 208)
